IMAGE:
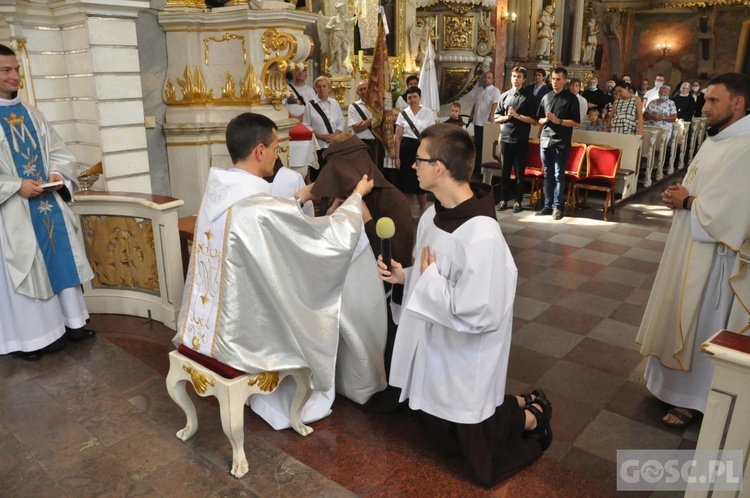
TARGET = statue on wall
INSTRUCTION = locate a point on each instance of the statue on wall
(589, 50)
(546, 26)
(419, 37)
(336, 34)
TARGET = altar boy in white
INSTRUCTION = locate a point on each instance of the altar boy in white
(454, 324)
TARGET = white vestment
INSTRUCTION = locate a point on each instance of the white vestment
(270, 323)
(31, 316)
(701, 286)
(451, 352)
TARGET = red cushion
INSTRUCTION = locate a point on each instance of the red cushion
(533, 172)
(300, 132)
(211, 363)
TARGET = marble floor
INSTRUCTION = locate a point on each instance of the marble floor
(95, 419)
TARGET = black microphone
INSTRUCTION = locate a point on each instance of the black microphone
(385, 230)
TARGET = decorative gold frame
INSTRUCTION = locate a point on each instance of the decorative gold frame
(226, 37)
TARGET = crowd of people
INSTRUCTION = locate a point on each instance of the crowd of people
(432, 318)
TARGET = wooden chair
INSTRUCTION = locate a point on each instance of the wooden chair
(534, 173)
(492, 168)
(602, 164)
(574, 171)
(232, 388)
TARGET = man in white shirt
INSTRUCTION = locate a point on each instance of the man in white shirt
(299, 94)
(484, 112)
(653, 93)
(360, 121)
(324, 117)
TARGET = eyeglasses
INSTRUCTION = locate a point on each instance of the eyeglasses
(275, 149)
(418, 160)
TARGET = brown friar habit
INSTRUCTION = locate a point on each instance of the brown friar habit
(495, 448)
(346, 162)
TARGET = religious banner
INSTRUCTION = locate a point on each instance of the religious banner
(378, 95)
(428, 84)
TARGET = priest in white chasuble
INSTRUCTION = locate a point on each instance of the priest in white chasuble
(702, 286)
(42, 263)
(454, 324)
(264, 285)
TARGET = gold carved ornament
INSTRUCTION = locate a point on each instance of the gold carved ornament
(458, 33)
(339, 90)
(267, 381)
(195, 92)
(457, 9)
(199, 380)
(121, 252)
(676, 5)
(226, 37)
(280, 49)
(199, 4)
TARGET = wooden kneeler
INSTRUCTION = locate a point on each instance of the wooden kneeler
(232, 395)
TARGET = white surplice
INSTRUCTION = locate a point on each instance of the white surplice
(451, 352)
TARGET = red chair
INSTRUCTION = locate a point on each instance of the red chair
(574, 171)
(602, 164)
(534, 173)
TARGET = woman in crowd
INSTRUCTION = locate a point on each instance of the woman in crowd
(409, 126)
(699, 98)
(685, 103)
(324, 117)
(627, 114)
(661, 111)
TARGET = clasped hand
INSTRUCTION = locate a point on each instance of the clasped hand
(674, 196)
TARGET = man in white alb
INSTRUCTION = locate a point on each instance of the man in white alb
(702, 286)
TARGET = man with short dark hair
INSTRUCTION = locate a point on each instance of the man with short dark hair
(539, 87)
(42, 262)
(702, 285)
(454, 323)
(251, 265)
(517, 114)
(558, 114)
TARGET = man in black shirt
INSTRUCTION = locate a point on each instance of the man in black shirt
(517, 112)
(558, 114)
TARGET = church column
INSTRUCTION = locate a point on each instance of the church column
(561, 7)
(575, 51)
(84, 75)
(534, 14)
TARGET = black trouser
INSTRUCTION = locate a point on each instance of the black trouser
(514, 160)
